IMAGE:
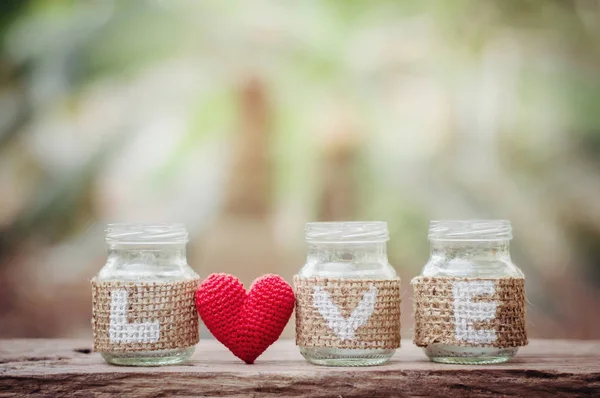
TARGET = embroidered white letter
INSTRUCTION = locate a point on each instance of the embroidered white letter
(121, 331)
(344, 328)
(466, 311)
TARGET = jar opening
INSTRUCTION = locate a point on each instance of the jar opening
(470, 230)
(146, 234)
(346, 232)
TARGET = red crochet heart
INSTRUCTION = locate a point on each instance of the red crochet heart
(246, 323)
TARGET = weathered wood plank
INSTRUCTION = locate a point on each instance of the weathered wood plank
(61, 367)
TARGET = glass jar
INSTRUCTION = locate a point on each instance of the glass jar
(348, 251)
(151, 255)
(470, 249)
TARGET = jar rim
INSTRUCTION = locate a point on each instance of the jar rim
(346, 232)
(470, 230)
(139, 233)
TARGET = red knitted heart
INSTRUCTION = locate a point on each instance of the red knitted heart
(249, 323)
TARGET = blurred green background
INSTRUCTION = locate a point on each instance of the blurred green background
(245, 119)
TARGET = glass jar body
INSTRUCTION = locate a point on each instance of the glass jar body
(147, 262)
(347, 260)
(470, 259)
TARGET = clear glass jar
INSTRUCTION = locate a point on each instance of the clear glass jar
(347, 250)
(470, 249)
(147, 253)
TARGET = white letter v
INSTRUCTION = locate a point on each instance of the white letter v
(342, 327)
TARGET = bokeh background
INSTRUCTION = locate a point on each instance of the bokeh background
(244, 120)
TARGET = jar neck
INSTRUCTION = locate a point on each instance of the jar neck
(350, 252)
(161, 255)
(473, 249)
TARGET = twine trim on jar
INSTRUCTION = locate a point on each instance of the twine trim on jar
(144, 316)
(347, 313)
(470, 312)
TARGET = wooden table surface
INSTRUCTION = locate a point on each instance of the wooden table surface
(68, 367)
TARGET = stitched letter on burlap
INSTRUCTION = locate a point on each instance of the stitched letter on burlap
(347, 313)
(470, 312)
(144, 316)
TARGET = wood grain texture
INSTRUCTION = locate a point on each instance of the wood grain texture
(68, 367)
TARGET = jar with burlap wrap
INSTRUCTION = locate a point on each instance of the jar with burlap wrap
(143, 311)
(470, 298)
(347, 296)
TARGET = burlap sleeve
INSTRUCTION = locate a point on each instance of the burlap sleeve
(470, 312)
(142, 316)
(347, 313)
